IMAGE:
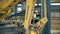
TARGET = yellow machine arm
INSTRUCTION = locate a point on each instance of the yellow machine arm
(6, 7)
(28, 14)
(28, 17)
(41, 23)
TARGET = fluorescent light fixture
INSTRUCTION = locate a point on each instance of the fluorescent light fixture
(51, 4)
(36, 4)
(55, 3)
(40, 4)
(19, 5)
(19, 9)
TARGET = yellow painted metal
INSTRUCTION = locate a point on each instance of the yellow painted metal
(45, 10)
(8, 12)
(5, 3)
(33, 32)
(29, 13)
(41, 23)
(6, 7)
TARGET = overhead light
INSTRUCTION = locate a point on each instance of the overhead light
(19, 5)
(55, 3)
(40, 4)
(51, 4)
(36, 4)
(19, 9)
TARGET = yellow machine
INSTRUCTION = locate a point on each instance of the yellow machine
(6, 7)
(28, 17)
